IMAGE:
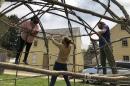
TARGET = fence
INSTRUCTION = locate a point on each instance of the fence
(3, 57)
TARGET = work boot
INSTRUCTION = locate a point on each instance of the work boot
(16, 62)
(25, 62)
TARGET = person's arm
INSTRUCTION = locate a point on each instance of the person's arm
(102, 31)
(23, 27)
(90, 34)
(55, 42)
(94, 39)
(99, 32)
(73, 44)
(35, 31)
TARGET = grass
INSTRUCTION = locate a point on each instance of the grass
(37, 81)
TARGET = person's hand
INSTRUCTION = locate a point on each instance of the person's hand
(34, 32)
(49, 37)
(90, 34)
(93, 39)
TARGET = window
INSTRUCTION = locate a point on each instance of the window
(125, 58)
(124, 42)
(123, 26)
(34, 58)
(35, 42)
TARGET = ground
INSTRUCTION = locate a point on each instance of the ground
(30, 79)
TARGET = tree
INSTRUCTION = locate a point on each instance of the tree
(1, 1)
(3, 30)
(14, 32)
(90, 54)
(10, 38)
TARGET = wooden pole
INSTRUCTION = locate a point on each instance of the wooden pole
(48, 72)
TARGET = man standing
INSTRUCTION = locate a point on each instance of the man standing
(29, 29)
(105, 48)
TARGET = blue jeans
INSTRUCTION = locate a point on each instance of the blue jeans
(60, 67)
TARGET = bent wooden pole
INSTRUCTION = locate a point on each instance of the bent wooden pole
(48, 72)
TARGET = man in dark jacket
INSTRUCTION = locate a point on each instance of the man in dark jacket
(105, 48)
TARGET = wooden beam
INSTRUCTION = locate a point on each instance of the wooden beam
(48, 72)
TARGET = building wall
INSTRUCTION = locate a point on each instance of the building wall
(36, 54)
(40, 56)
(118, 50)
(79, 56)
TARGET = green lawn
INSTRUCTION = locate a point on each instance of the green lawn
(37, 81)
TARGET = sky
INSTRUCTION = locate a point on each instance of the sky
(50, 21)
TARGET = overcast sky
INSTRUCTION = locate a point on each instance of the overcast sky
(53, 22)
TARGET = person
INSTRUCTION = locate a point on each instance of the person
(29, 29)
(105, 48)
(61, 62)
